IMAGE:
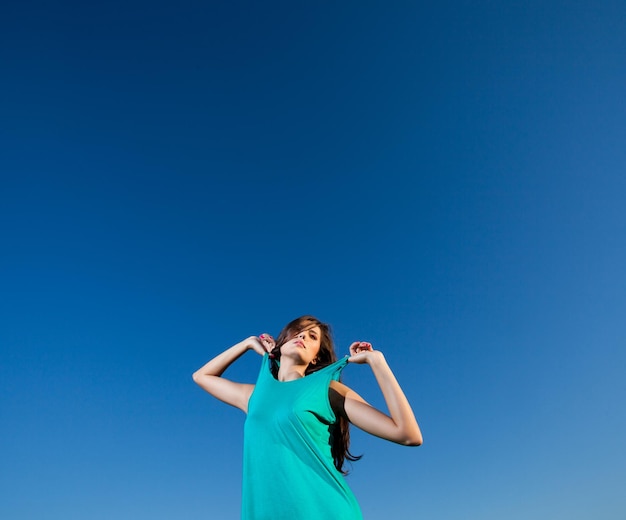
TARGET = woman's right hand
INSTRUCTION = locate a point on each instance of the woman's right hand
(261, 344)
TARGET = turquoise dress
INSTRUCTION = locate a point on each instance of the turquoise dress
(288, 468)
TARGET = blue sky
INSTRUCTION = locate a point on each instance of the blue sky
(445, 181)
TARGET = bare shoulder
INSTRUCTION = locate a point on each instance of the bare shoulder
(339, 388)
(339, 394)
(345, 391)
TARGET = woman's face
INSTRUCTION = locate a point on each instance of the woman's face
(304, 343)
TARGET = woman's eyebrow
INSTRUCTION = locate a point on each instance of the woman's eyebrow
(307, 329)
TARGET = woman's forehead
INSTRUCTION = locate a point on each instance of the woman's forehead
(307, 325)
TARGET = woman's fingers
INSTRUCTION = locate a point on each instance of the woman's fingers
(360, 352)
(267, 341)
(360, 346)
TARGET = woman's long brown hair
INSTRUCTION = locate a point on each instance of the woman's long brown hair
(340, 431)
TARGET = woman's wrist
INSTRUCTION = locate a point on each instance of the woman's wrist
(376, 358)
(248, 343)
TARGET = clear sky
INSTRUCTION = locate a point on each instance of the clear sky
(445, 180)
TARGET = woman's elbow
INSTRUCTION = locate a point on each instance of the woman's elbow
(412, 439)
(413, 442)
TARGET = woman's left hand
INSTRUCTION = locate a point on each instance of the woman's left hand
(267, 342)
(362, 352)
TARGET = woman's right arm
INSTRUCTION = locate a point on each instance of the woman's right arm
(209, 377)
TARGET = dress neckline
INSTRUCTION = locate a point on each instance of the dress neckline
(324, 369)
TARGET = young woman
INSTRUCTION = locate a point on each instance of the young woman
(296, 435)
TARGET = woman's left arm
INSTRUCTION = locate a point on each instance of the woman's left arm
(400, 425)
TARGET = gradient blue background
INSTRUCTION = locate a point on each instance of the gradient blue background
(446, 181)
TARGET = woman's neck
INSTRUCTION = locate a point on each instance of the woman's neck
(289, 370)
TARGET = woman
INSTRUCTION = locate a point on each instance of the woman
(296, 431)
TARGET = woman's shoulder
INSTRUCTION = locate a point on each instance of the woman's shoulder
(339, 387)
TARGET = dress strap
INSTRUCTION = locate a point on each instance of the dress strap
(336, 368)
(266, 367)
